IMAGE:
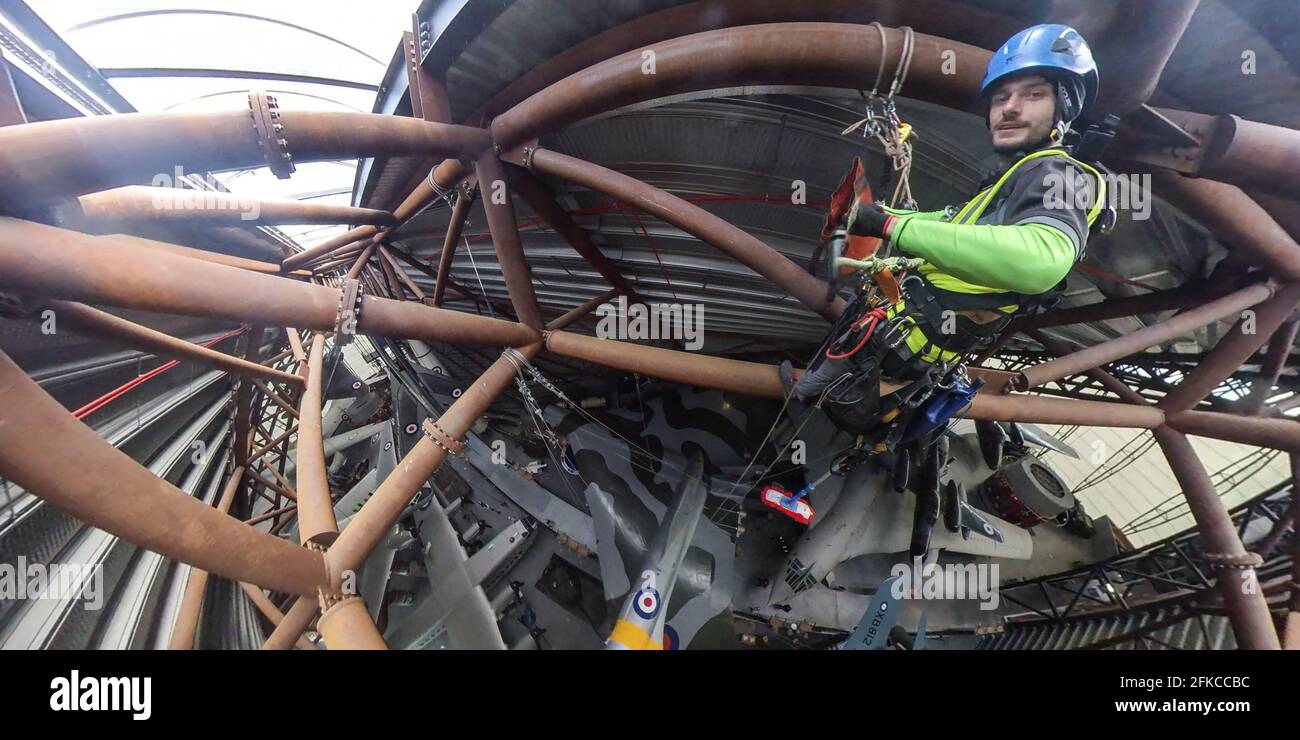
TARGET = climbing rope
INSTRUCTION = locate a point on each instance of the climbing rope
(486, 298)
(883, 124)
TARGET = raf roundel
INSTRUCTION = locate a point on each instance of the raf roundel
(646, 604)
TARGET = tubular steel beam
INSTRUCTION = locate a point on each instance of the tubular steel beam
(948, 19)
(101, 325)
(371, 524)
(1121, 347)
(1279, 348)
(564, 320)
(1237, 346)
(109, 490)
(187, 614)
(295, 346)
(499, 206)
(1275, 434)
(290, 629)
(1139, 47)
(459, 212)
(43, 161)
(389, 274)
(756, 379)
(139, 203)
(400, 273)
(539, 198)
(359, 263)
(201, 254)
(316, 522)
(329, 246)
(348, 626)
(698, 222)
(249, 346)
(825, 54)
(1236, 220)
(272, 614)
(1247, 153)
(125, 277)
(1243, 598)
(1181, 298)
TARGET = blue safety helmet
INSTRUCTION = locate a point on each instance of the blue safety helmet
(1058, 53)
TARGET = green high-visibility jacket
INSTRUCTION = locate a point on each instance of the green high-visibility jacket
(1019, 236)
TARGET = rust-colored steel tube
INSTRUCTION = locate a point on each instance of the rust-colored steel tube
(1249, 153)
(1111, 383)
(277, 398)
(101, 325)
(459, 212)
(1275, 434)
(1181, 298)
(698, 222)
(1048, 410)
(244, 240)
(738, 376)
(201, 254)
(1279, 349)
(1232, 351)
(109, 490)
(328, 246)
(371, 524)
(498, 203)
(51, 159)
(539, 198)
(187, 615)
(1121, 347)
(1137, 47)
(824, 54)
(1247, 610)
(129, 278)
(272, 614)
(1234, 219)
(587, 307)
(386, 271)
(362, 259)
(400, 273)
(295, 345)
(290, 629)
(139, 203)
(756, 379)
(316, 523)
(250, 346)
(975, 26)
(348, 626)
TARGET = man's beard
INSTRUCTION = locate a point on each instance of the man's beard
(1027, 144)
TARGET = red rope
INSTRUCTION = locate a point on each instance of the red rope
(120, 391)
(651, 242)
(870, 320)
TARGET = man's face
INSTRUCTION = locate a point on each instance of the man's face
(1022, 110)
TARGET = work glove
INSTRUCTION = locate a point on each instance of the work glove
(868, 219)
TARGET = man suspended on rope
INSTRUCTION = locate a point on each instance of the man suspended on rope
(966, 273)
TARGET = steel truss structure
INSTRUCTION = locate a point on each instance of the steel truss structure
(354, 284)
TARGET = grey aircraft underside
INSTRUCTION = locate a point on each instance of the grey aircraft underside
(631, 460)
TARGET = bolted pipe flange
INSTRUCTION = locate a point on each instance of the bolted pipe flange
(1228, 561)
(265, 112)
(442, 439)
(350, 299)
